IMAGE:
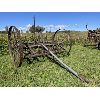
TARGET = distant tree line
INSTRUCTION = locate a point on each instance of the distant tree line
(36, 29)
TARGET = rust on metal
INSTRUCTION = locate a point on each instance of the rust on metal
(93, 38)
(41, 45)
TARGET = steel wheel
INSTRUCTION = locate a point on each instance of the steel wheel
(15, 46)
(63, 40)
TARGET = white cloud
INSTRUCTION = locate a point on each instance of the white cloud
(21, 28)
(52, 27)
(28, 26)
(76, 24)
(25, 28)
(3, 29)
(55, 27)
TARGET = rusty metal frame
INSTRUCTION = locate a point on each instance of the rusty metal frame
(93, 38)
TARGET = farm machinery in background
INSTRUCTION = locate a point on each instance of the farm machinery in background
(93, 38)
(42, 44)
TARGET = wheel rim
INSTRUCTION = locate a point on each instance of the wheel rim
(63, 40)
(15, 46)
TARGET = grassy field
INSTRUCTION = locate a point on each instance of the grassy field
(44, 72)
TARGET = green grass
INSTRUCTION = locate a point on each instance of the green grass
(44, 72)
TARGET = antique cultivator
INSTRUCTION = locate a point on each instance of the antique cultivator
(41, 44)
(93, 38)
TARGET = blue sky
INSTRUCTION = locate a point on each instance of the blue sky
(67, 20)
